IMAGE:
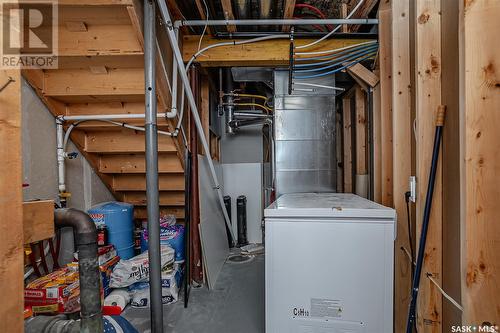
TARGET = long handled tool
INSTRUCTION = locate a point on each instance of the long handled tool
(425, 225)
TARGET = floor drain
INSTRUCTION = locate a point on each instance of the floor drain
(239, 259)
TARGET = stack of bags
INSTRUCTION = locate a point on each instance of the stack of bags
(57, 292)
(130, 278)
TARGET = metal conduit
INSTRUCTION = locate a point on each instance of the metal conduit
(152, 188)
(194, 109)
(195, 23)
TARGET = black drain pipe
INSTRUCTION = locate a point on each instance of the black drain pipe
(86, 245)
(241, 216)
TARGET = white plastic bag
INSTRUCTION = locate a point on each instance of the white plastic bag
(136, 269)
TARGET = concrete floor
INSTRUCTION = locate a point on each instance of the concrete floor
(236, 304)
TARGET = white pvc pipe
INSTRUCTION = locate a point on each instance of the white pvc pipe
(173, 109)
(194, 23)
(194, 110)
(107, 116)
(61, 171)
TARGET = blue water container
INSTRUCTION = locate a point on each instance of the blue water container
(119, 220)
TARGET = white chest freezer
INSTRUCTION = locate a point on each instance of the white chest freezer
(329, 264)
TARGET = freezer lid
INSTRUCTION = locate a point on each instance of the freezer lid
(338, 205)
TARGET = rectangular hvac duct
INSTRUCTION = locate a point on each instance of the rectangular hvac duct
(304, 129)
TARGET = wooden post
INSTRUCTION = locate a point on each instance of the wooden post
(480, 120)
(385, 57)
(377, 141)
(11, 212)
(401, 135)
(361, 143)
(428, 99)
(347, 129)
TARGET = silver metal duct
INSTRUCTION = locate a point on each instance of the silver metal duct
(304, 129)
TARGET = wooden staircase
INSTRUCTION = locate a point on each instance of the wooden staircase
(101, 71)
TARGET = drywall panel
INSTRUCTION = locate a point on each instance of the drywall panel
(212, 226)
(245, 179)
(40, 165)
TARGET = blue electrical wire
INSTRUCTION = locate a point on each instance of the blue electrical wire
(337, 53)
(345, 58)
(335, 59)
(335, 70)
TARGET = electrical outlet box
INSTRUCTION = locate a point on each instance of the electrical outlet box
(413, 189)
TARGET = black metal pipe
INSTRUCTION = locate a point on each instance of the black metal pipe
(85, 233)
(241, 215)
(425, 224)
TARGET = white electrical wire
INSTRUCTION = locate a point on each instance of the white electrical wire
(334, 30)
(137, 128)
(448, 297)
(205, 27)
(318, 86)
(336, 50)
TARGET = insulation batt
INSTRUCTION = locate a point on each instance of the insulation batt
(136, 269)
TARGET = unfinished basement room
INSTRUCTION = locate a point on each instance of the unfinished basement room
(250, 166)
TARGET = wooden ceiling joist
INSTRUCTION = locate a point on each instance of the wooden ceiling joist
(227, 8)
(288, 13)
(362, 12)
(271, 52)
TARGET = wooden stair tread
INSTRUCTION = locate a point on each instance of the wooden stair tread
(136, 163)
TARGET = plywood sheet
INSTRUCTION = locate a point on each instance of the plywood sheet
(212, 226)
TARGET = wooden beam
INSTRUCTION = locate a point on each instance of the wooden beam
(227, 10)
(205, 109)
(450, 75)
(136, 163)
(343, 14)
(98, 40)
(140, 212)
(363, 73)
(347, 133)
(401, 130)
(137, 182)
(272, 52)
(11, 213)
(480, 162)
(363, 12)
(106, 142)
(428, 99)
(288, 13)
(386, 114)
(73, 85)
(38, 220)
(361, 170)
(166, 198)
(377, 143)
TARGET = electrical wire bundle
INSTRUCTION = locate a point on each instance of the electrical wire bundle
(308, 65)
